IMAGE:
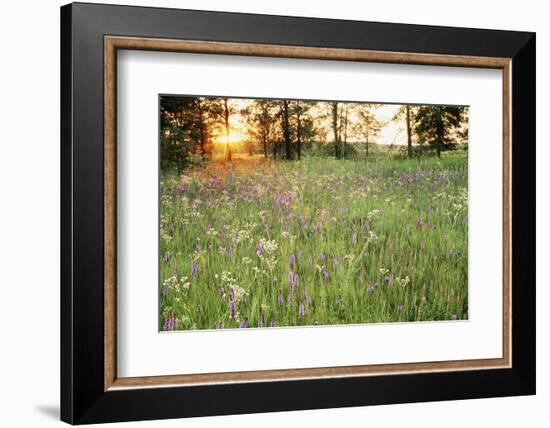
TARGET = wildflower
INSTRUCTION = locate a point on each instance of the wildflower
(296, 280)
(301, 310)
(388, 280)
(324, 272)
(221, 291)
(290, 278)
(321, 258)
(453, 317)
(260, 249)
(220, 325)
(354, 239)
(292, 261)
(232, 308)
(273, 323)
(403, 281)
(244, 323)
(338, 302)
(168, 256)
(169, 323)
(280, 297)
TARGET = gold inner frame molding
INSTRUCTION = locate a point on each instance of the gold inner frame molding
(113, 43)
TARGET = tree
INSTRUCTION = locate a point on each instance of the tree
(208, 111)
(438, 125)
(302, 123)
(286, 127)
(407, 113)
(335, 129)
(179, 131)
(260, 118)
(228, 110)
(368, 125)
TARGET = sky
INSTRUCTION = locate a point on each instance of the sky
(391, 133)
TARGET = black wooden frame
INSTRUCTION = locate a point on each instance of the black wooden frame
(83, 400)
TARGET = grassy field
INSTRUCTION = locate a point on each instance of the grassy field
(314, 242)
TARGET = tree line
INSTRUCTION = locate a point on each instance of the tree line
(284, 129)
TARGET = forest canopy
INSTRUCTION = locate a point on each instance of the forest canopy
(198, 129)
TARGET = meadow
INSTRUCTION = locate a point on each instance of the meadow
(259, 243)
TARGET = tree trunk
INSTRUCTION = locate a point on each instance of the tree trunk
(202, 130)
(298, 130)
(286, 130)
(409, 138)
(226, 120)
(335, 130)
(346, 133)
(265, 146)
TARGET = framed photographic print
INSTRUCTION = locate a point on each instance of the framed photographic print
(264, 213)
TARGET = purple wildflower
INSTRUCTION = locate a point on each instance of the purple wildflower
(280, 297)
(168, 256)
(290, 278)
(453, 317)
(260, 249)
(292, 261)
(388, 280)
(296, 280)
(232, 308)
(301, 310)
(244, 323)
(169, 323)
(338, 302)
(221, 290)
(321, 258)
(220, 325)
(273, 323)
(324, 272)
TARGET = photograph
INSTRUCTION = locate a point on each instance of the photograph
(294, 213)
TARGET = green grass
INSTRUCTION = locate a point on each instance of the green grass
(390, 236)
